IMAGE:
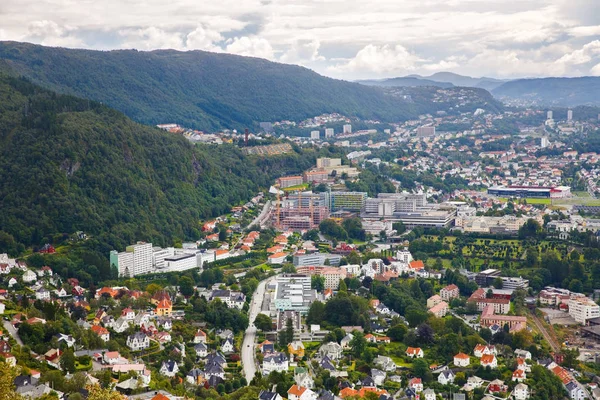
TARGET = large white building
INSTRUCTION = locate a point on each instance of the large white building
(135, 260)
(328, 133)
(333, 276)
(181, 262)
(347, 128)
(315, 135)
(582, 309)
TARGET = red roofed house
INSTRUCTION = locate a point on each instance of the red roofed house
(416, 265)
(462, 360)
(414, 352)
(416, 384)
(449, 292)
(101, 331)
(489, 360)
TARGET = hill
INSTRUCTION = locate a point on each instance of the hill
(199, 89)
(439, 79)
(68, 164)
(552, 91)
(406, 81)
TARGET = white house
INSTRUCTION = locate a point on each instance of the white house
(378, 376)
(429, 394)
(200, 337)
(227, 346)
(446, 377)
(120, 325)
(414, 352)
(301, 393)
(169, 368)
(489, 360)
(575, 391)
(275, 362)
(462, 360)
(42, 294)
(345, 342)
(482, 349)
(416, 384)
(521, 392)
(523, 354)
(29, 276)
(138, 341)
(128, 314)
(303, 379)
(201, 350)
(2, 308)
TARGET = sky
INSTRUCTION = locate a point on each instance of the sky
(346, 39)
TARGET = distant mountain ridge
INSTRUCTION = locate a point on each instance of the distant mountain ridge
(566, 92)
(439, 79)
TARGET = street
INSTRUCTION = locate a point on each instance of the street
(12, 332)
(249, 343)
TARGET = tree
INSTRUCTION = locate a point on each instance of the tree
(397, 332)
(420, 367)
(358, 343)
(67, 361)
(353, 258)
(263, 322)
(316, 313)
(530, 229)
(343, 288)
(317, 282)
(97, 393)
(7, 378)
(186, 286)
(532, 257)
(498, 283)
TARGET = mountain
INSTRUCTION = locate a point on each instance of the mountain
(566, 92)
(68, 164)
(439, 79)
(199, 89)
(407, 81)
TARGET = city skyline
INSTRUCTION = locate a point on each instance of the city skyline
(370, 39)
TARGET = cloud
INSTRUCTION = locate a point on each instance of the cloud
(50, 33)
(595, 71)
(381, 60)
(302, 52)
(250, 46)
(151, 38)
(584, 55)
(203, 39)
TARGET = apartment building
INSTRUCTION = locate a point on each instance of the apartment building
(302, 260)
(582, 309)
(135, 260)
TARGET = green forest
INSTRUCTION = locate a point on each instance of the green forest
(210, 91)
(68, 164)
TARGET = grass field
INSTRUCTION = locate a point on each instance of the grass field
(304, 186)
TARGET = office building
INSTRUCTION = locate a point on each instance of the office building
(158, 257)
(412, 209)
(315, 135)
(302, 260)
(424, 131)
(288, 181)
(349, 201)
(328, 133)
(347, 128)
(582, 309)
(181, 262)
(486, 278)
(294, 293)
(569, 115)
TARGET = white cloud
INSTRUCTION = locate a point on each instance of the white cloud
(302, 52)
(581, 56)
(595, 71)
(381, 60)
(151, 38)
(250, 46)
(203, 39)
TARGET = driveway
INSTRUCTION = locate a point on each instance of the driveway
(12, 332)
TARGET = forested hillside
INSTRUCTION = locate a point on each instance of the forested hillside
(552, 91)
(199, 89)
(68, 164)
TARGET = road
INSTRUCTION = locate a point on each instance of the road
(249, 343)
(12, 332)
(551, 341)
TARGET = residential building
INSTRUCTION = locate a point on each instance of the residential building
(169, 368)
(138, 341)
(414, 352)
(289, 181)
(135, 260)
(302, 260)
(462, 360)
(440, 309)
(434, 300)
(582, 309)
(521, 392)
(101, 332)
(489, 360)
(446, 377)
(301, 393)
(449, 292)
(275, 362)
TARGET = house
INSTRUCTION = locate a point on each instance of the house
(42, 294)
(29, 276)
(434, 300)
(52, 357)
(382, 309)
(164, 307)
(195, 377)
(429, 394)
(169, 368)
(266, 347)
(265, 395)
(462, 360)
(138, 341)
(67, 339)
(113, 358)
(522, 364)
(120, 325)
(472, 383)
(227, 346)
(163, 337)
(497, 386)
(416, 384)
(101, 332)
(521, 392)
(128, 314)
(523, 354)
(440, 309)
(303, 379)
(482, 349)
(332, 350)
(9, 359)
(296, 348)
(518, 375)
(142, 319)
(385, 363)
(345, 342)
(378, 376)
(414, 352)
(449, 292)
(275, 362)
(301, 393)
(277, 258)
(200, 337)
(446, 377)
(214, 370)
(201, 350)
(575, 391)
(61, 293)
(489, 360)
(12, 282)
